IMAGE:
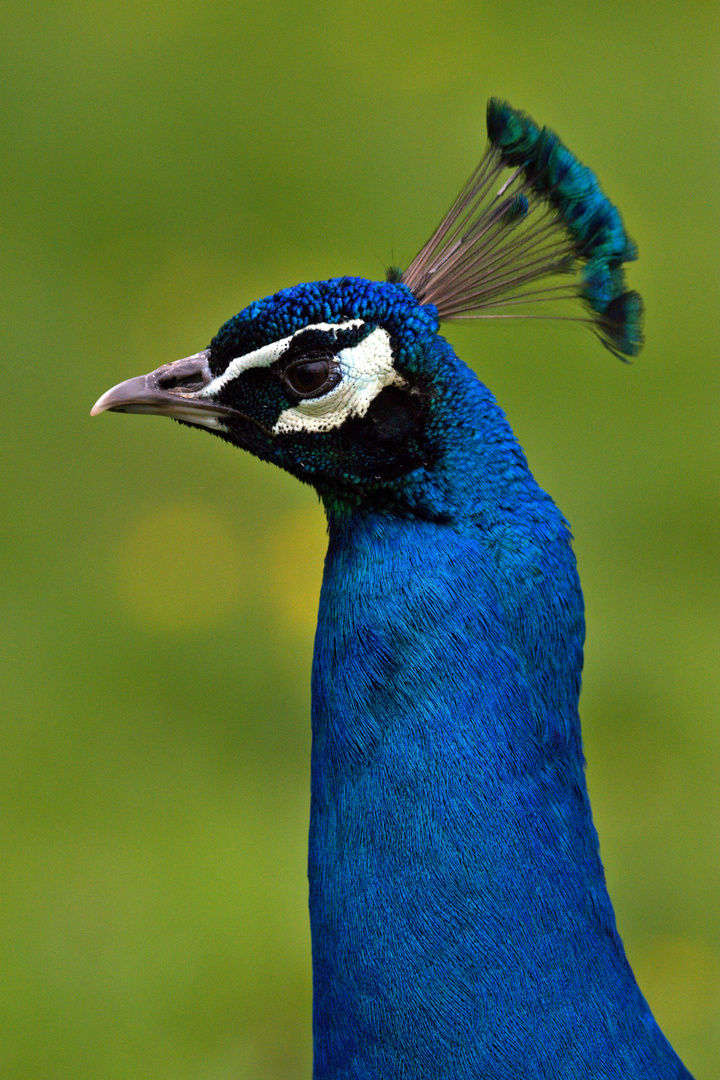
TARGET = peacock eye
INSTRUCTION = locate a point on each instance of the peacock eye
(312, 378)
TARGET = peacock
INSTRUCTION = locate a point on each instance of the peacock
(461, 925)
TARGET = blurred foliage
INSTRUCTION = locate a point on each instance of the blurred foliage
(163, 165)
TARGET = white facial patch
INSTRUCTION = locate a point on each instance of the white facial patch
(366, 368)
(265, 356)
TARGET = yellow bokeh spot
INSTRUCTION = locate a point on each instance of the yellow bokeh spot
(296, 552)
(180, 568)
(680, 978)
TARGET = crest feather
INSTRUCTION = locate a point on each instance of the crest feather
(511, 244)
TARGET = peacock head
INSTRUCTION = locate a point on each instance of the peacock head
(324, 379)
(345, 382)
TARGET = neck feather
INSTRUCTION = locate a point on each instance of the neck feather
(461, 925)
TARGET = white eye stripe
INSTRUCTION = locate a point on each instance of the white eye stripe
(266, 355)
(366, 368)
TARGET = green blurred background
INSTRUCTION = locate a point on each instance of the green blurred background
(165, 164)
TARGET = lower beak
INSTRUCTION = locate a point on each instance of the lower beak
(171, 390)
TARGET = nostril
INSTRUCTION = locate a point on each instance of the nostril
(182, 378)
(174, 381)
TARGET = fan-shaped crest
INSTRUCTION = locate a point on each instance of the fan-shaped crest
(506, 237)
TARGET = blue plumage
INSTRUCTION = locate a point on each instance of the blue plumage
(461, 925)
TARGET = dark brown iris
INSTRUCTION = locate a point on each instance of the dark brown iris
(312, 378)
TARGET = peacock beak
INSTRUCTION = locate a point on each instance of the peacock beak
(170, 390)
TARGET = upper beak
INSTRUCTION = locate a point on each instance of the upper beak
(171, 390)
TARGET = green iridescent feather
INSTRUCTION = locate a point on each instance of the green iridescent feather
(503, 240)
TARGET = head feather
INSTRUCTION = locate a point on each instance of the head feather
(530, 228)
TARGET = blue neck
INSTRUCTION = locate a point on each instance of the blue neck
(461, 925)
